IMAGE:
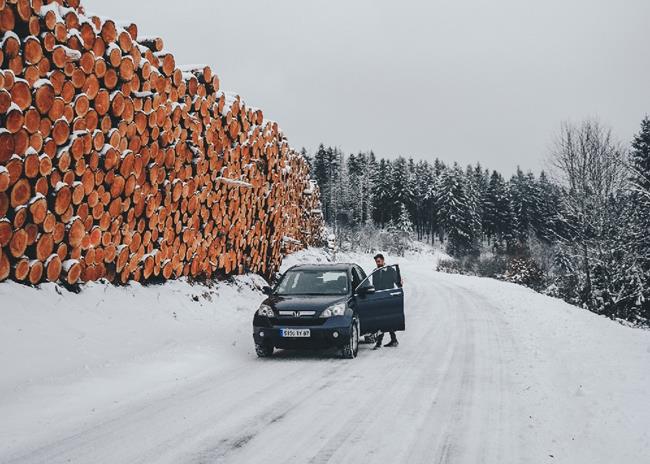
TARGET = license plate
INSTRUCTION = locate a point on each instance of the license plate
(295, 333)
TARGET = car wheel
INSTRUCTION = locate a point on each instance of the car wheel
(263, 350)
(351, 348)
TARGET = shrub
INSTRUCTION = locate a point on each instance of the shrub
(525, 271)
(450, 266)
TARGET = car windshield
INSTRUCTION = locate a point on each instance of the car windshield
(313, 282)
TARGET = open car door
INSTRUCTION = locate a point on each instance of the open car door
(380, 301)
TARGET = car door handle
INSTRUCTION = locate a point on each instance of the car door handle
(395, 293)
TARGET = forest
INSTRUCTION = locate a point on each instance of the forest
(580, 231)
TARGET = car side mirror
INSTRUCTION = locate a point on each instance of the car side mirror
(365, 289)
(267, 290)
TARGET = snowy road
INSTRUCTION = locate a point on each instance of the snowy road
(486, 372)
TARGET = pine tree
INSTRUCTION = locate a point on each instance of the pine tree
(355, 173)
(381, 193)
(322, 176)
(544, 219)
(334, 175)
(456, 213)
(403, 222)
(638, 230)
(310, 161)
(319, 167)
(640, 160)
(423, 182)
(369, 170)
(499, 219)
(400, 187)
(524, 200)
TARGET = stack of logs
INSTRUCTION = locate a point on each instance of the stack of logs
(115, 163)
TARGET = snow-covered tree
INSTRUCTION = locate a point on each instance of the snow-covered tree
(382, 193)
(524, 202)
(456, 213)
(638, 230)
(401, 192)
(403, 222)
(498, 218)
(590, 165)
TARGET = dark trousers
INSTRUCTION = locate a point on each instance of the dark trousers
(380, 337)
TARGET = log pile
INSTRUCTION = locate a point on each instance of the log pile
(116, 163)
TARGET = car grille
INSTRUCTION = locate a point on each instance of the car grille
(297, 321)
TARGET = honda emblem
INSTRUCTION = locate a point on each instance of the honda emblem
(296, 314)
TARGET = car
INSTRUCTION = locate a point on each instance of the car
(328, 306)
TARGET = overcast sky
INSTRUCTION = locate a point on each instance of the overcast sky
(462, 80)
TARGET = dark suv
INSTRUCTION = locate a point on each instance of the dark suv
(328, 305)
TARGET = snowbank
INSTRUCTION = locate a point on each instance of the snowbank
(49, 333)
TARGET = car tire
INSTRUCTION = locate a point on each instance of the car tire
(351, 347)
(264, 350)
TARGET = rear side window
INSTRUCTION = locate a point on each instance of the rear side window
(356, 278)
(362, 273)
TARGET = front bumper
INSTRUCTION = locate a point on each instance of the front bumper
(322, 336)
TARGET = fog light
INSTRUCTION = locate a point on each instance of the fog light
(335, 334)
(261, 333)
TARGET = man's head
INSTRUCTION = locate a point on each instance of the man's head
(379, 260)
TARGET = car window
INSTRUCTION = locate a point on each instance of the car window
(356, 278)
(362, 273)
(313, 282)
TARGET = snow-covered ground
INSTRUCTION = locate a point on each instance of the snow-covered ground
(486, 372)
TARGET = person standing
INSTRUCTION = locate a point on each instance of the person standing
(385, 279)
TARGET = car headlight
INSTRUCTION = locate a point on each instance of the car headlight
(337, 309)
(266, 311)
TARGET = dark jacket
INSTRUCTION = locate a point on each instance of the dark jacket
(385, 279)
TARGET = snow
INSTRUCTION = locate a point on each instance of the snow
(14, 107)
(193, 67)
(239, 183)
(143, 60)
(8, 35)
(145, 38)
(60, 11)
(161, 54)
(143, 94)
(487, 372)
(288, 239)
(70, 222)
(75, 33)
(53, 7)
(67, 264)
(35, 198)
(106, 148)
(113, 46)
(70, 53)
